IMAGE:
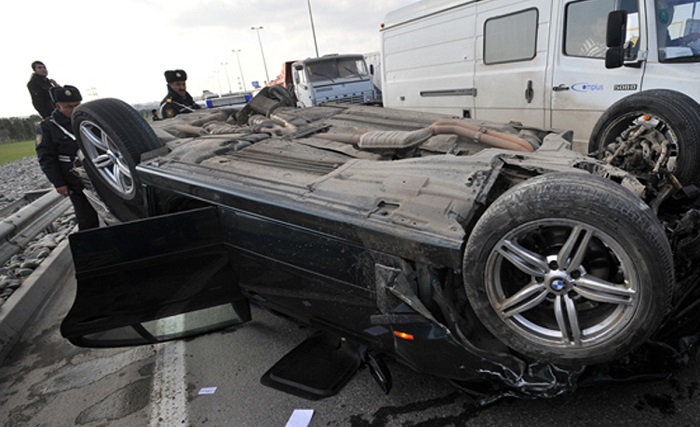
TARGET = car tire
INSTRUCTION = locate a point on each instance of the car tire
(589, 305)
(281, 94)
(679, 115)
(112, 137)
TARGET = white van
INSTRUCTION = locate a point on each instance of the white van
(542, 62)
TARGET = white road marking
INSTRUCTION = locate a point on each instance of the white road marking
(169, 391)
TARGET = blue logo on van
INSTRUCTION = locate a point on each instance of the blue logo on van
(587, 87)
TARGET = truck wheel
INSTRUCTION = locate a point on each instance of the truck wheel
(678, 119)
(569, 268)
(112, 136)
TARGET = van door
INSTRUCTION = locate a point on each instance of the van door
(302, 88)
(428, 58)
(582, 88)
(511, 60)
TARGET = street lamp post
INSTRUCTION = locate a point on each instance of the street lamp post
(224, 65)
(313, 29)
(240, 69)
(257, 30)
(218, 80)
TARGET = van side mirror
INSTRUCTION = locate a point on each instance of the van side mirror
(614, 57)
(615, 39)
(298, 67)
(617, 28)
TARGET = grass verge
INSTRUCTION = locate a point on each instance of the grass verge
(11, 151)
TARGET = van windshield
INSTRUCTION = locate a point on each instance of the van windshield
(678, 30)
(333, 69)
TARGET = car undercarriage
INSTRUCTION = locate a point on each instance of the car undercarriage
(490, 254)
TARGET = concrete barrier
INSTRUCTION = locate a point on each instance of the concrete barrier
(23, 304)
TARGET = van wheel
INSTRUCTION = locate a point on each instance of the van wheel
(566, 268)
(112, 136)
(667, 121)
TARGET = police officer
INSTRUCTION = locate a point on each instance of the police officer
(39, 86)
(177, 101)
(56, 148)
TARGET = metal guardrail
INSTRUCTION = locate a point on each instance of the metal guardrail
(26, 199)
(21, 227)
(21, 222)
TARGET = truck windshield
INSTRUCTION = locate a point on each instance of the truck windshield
(333, 69)
(678, 30)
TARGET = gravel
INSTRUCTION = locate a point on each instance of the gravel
(18, 177)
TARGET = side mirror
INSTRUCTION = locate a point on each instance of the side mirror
(614, 57)
(615, 39)
(298, 67)
(617, 28)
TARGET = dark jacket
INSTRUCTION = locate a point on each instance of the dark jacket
(57, 150)
(39, 90)
(174, 104)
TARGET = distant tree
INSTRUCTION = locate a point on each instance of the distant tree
(15, 129)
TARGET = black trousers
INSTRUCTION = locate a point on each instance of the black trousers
(84, 212)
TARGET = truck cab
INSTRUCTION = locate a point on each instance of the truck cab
(332, 78)
(541, 62)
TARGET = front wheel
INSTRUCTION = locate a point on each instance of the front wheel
(651, 131)
(569, 268)
(112, 136)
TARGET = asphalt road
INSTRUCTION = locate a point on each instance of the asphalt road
(46, 381)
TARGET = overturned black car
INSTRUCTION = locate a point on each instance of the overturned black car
(489, 254)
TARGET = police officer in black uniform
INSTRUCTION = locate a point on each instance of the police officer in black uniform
(56, 148)
(39, 86)
(177, 101)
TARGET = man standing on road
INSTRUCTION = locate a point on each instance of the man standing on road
(56, 148)
(177, 101)
(39, 86)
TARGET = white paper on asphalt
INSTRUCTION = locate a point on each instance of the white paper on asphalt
(300, 418)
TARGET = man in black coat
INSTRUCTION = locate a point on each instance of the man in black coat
(56, 148)
(39, 86)
(177, 101)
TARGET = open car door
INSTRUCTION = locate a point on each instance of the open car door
(153, 280)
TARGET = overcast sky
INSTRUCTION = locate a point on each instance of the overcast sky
(121, 49)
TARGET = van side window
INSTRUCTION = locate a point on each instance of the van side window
(511, 37)
(585, 27)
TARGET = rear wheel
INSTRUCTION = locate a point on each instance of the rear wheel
(569, 268)
(656, 129)
(112, 136)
